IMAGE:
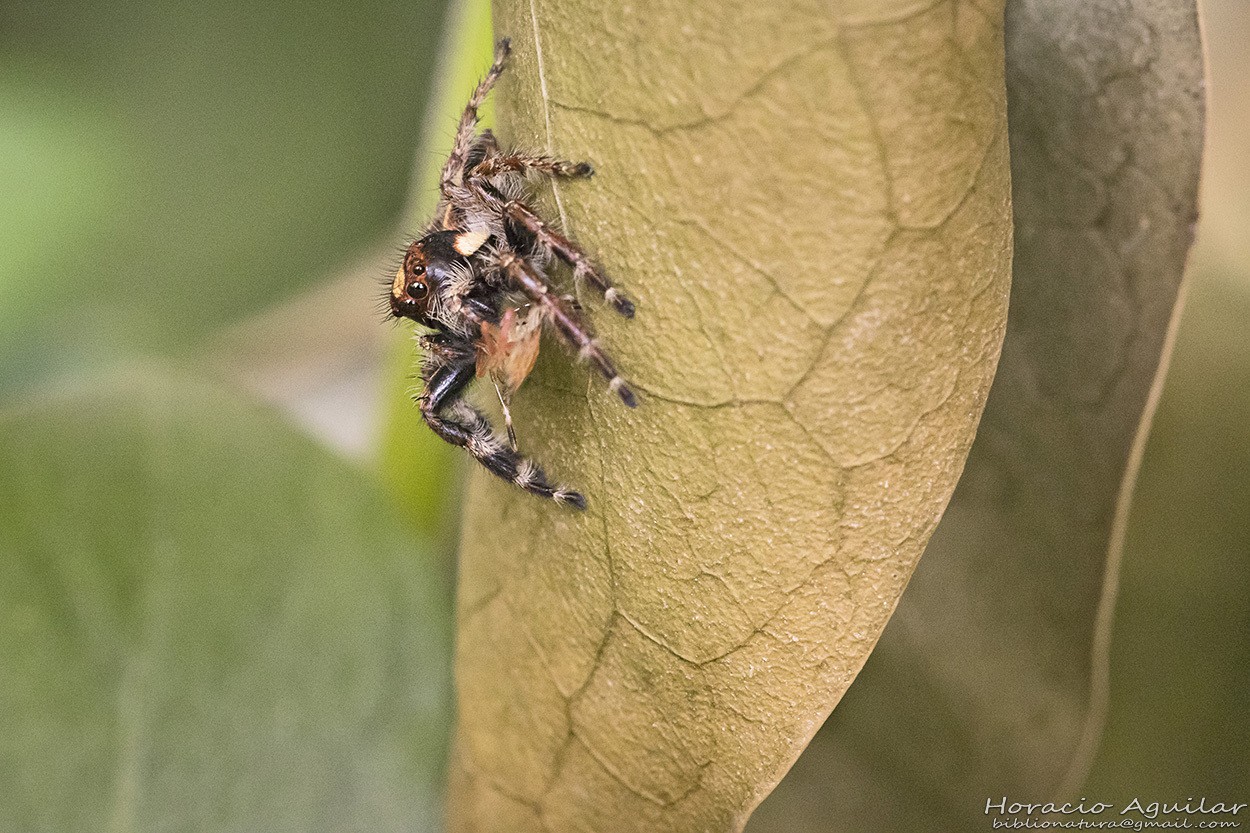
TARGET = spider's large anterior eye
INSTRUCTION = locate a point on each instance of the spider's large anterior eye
(416, 290)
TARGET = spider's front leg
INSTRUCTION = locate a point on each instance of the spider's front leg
(567, 322)
(459, 423)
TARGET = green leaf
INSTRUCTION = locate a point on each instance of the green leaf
(207, 623)
(812, 211)
(992, 678)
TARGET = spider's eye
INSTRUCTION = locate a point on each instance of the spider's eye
(419, 269)
(416, 290)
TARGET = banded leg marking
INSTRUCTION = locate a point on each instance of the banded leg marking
(567, 323)
(567, 251)
(453, 169)
(460, 424)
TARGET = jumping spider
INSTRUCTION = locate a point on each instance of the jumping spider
(478, 279)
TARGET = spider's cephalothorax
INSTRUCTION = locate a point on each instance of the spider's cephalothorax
(478, 279)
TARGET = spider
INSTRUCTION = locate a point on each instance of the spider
(478, 280)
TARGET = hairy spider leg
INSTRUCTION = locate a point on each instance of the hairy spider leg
(567, 251)
(460, 424)
(453, 168)
(515, 162)
(566, 322)
(481, 146)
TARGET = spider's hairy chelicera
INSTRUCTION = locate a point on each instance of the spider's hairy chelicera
(478, 279)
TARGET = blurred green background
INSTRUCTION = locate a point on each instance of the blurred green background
(170, 168)
(197, 185)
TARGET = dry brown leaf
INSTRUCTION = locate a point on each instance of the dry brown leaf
(811, 207)
(991, 679)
